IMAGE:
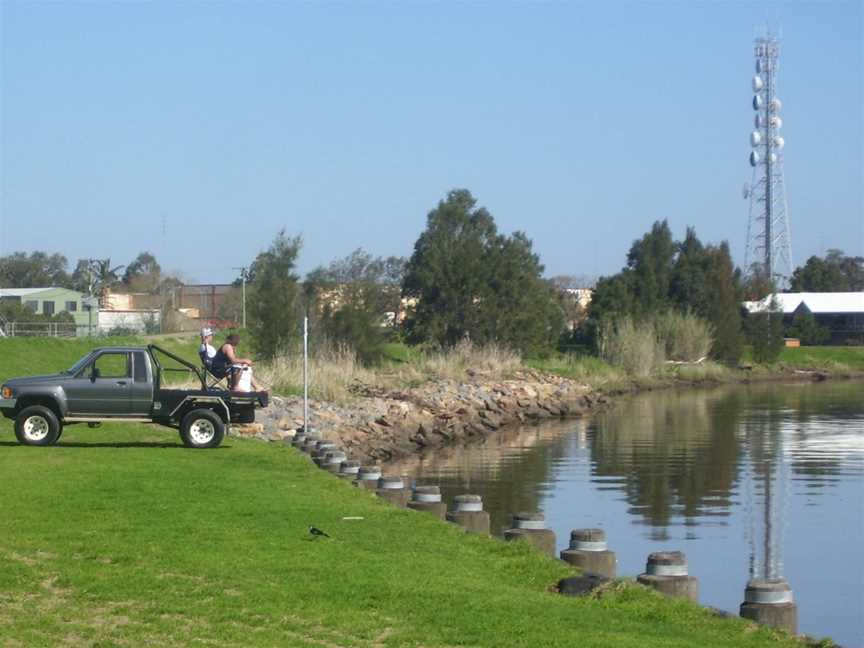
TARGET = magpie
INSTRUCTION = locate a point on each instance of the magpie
(318, 533)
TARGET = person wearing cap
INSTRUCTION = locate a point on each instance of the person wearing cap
(207, 351)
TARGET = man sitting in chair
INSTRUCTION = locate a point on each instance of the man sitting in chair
(207, 351)
(239, 370)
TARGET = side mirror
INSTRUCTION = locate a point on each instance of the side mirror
(95, 374)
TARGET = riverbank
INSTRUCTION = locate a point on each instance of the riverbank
(377, 425)
(122, 537)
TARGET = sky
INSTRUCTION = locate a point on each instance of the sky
(198, 130)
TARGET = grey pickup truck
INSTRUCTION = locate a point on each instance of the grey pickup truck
(125, 384)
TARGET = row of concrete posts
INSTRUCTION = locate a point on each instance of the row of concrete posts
(767, 602)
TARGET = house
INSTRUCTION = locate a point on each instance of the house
(52, 301)
(842, 313)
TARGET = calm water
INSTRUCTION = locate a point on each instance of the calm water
(759, 479)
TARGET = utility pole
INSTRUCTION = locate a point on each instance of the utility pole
(243, 273)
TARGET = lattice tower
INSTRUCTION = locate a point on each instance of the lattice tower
(769, 245)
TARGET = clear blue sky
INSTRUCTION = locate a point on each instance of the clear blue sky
(579, 123)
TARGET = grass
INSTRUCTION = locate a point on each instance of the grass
(120, 537)
(837, 358)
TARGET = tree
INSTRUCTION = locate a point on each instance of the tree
(651, 261)
(687, 276)
(805, 328)
(835, 273)
(467, 281)
(36, 270)
(144, 274)
(351, 297)
(722, 303)
(765, 332)
(274, 304)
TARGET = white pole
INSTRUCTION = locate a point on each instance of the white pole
(306, 374)
(244, 298)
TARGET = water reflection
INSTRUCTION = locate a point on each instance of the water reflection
(734, 476)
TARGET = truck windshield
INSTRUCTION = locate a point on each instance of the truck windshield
(78, 366)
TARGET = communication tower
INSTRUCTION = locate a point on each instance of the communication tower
(769, 246)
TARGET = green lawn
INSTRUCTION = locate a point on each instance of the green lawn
(118, 536)
(819, 357)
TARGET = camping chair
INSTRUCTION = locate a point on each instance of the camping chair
(216, 381)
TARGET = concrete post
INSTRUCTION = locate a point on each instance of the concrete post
(589, 552)
(298, 440)
(392, 489)
(332, 460)
(368, 476)
(468, 513)
(309, 443)
(770, 602)
(323, 447)
(532, 527)
(666, 572)
(428, 498)
(348, 470)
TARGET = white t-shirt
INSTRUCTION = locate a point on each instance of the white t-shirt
(211, 351)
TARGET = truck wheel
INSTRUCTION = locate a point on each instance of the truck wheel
(37, 425)
(202, 428)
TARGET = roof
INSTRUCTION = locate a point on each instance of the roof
(24, 292)
(20, 292)
(816, 303)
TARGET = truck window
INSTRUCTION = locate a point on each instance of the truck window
(140, 367)
(112, 365)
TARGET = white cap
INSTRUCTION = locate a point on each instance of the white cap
(206, 331)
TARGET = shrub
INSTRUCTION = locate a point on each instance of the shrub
(632, 346)
(686, 337)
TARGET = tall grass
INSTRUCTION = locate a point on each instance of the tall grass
(642, 347)
(333, 369)
(632, 346)
(685, 337)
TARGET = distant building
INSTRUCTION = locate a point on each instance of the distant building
(842, 313)
(52, 301)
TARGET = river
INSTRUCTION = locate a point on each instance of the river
(759, 479)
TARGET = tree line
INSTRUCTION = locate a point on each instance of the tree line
(465, 280)
(42, 270)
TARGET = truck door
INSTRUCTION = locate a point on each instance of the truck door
(103, 387)
(142, 385)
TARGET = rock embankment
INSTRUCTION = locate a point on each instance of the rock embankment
(379, 425)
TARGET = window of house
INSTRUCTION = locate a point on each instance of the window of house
(31, 305)
(47, 307)
(71, 306)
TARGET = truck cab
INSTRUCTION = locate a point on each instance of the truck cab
(126, 384)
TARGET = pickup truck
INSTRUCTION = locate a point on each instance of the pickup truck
(125, 384)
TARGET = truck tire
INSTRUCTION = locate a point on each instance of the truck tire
(202, 428)
(37, 425)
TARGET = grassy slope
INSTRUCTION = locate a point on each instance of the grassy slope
(135, 540)
(118, 536)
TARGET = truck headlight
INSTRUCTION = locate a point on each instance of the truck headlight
(5, 392)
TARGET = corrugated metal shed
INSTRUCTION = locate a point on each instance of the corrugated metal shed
(848, 303)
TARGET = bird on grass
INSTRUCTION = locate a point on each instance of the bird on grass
(317, 533)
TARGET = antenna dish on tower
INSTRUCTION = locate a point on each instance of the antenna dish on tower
(775, 105)
(755, 138)
(758, 84)
(775, 121)
(754, 158)
(779, 143)
(757, 102)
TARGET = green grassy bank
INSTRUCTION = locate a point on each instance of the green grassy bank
(118, 536)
